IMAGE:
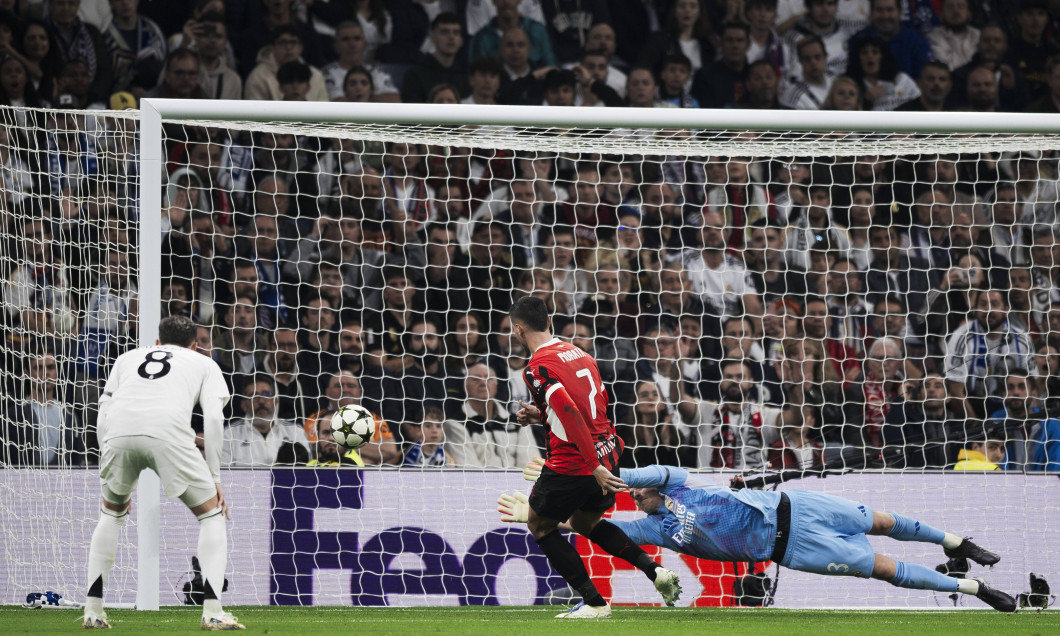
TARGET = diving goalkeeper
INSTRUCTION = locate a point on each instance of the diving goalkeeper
(801, 530)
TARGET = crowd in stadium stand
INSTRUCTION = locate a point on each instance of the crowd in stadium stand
(746, 314)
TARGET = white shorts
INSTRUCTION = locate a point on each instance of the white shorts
(182, 469)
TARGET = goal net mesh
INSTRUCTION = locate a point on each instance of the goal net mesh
(775, 305)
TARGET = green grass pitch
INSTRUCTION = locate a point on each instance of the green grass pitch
(539, 621)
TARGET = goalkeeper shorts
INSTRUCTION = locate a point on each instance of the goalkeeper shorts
(828, 535)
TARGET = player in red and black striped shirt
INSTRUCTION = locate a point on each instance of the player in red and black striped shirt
(580, 478)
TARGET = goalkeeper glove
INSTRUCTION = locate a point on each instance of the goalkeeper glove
(533, 469)
(514, 508)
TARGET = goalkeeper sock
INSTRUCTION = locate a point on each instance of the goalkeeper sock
(615, 542)
(906, 529)
(562, 555)
(918, 577)
(101, 553)
(213, 552)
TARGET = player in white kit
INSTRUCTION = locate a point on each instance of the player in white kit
(145, 422)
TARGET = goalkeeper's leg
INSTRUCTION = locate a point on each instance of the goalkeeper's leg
(919, 577)
(101, 555)
(903, 528)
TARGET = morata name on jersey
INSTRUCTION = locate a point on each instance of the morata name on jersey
(571, 355)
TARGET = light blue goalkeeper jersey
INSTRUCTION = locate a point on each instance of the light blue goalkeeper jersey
(703, 519)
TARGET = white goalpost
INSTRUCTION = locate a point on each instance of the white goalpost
(322, 247)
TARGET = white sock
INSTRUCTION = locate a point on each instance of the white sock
(951, 541)
(968, 586)
(213, 552)
(101, 555)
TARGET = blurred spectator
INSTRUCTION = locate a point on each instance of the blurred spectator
(385, 324)
(287, 46)
(40, 429)
(742, 200)
(846, 305)
(281, 364)
(569, 22)
(508, 360)
(489, 271)
(935, 86)
(780, 322)
(815, 224)
(769, 271)
(923, 424)
(593, 220)
(686, 30)
(318, 343)
(981, 91)
(979, 352)
(344, 389)
(376, 23)
(602, 38)
(257, 41)
(136, 45)
(992, 52)
(485, 435)
(894, 270)
(350, 47)
(263, 252)
(75, 39)
(37, 294)
(821, 21)
(649, 434)
(219, 80)
(1033, 436)
(956, 41)
(721, 84)
(641, 90)
(735, 433)
(1049, 102)
(514, 50)
(675, 76)
(845, 94)
(817, 325)
(487, 40)
(591, 74)
(869, 397)
(443, 66)
(426, 438)
(110, 315)
(1047, 360)
(479, 13)
(765, 43)
(32, 44)
(873, 65)
(907, 48)
(181, 77)
(421, 379)
(981, 453)
(809, 90)
(1032, 47)
(326, 452)
(17, 90)
(718, 278)
(238, 347)
(484, 78)
(255, 441)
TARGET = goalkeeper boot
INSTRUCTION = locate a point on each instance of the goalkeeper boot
(95, 621)
(994, 598)
(224, 622)
(969, 550)
(666, 583)
(581, 610)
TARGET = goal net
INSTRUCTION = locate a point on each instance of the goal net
(766, 299)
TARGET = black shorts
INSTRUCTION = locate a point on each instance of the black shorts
(557, 496)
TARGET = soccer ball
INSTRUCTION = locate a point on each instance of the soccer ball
(352, 426)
